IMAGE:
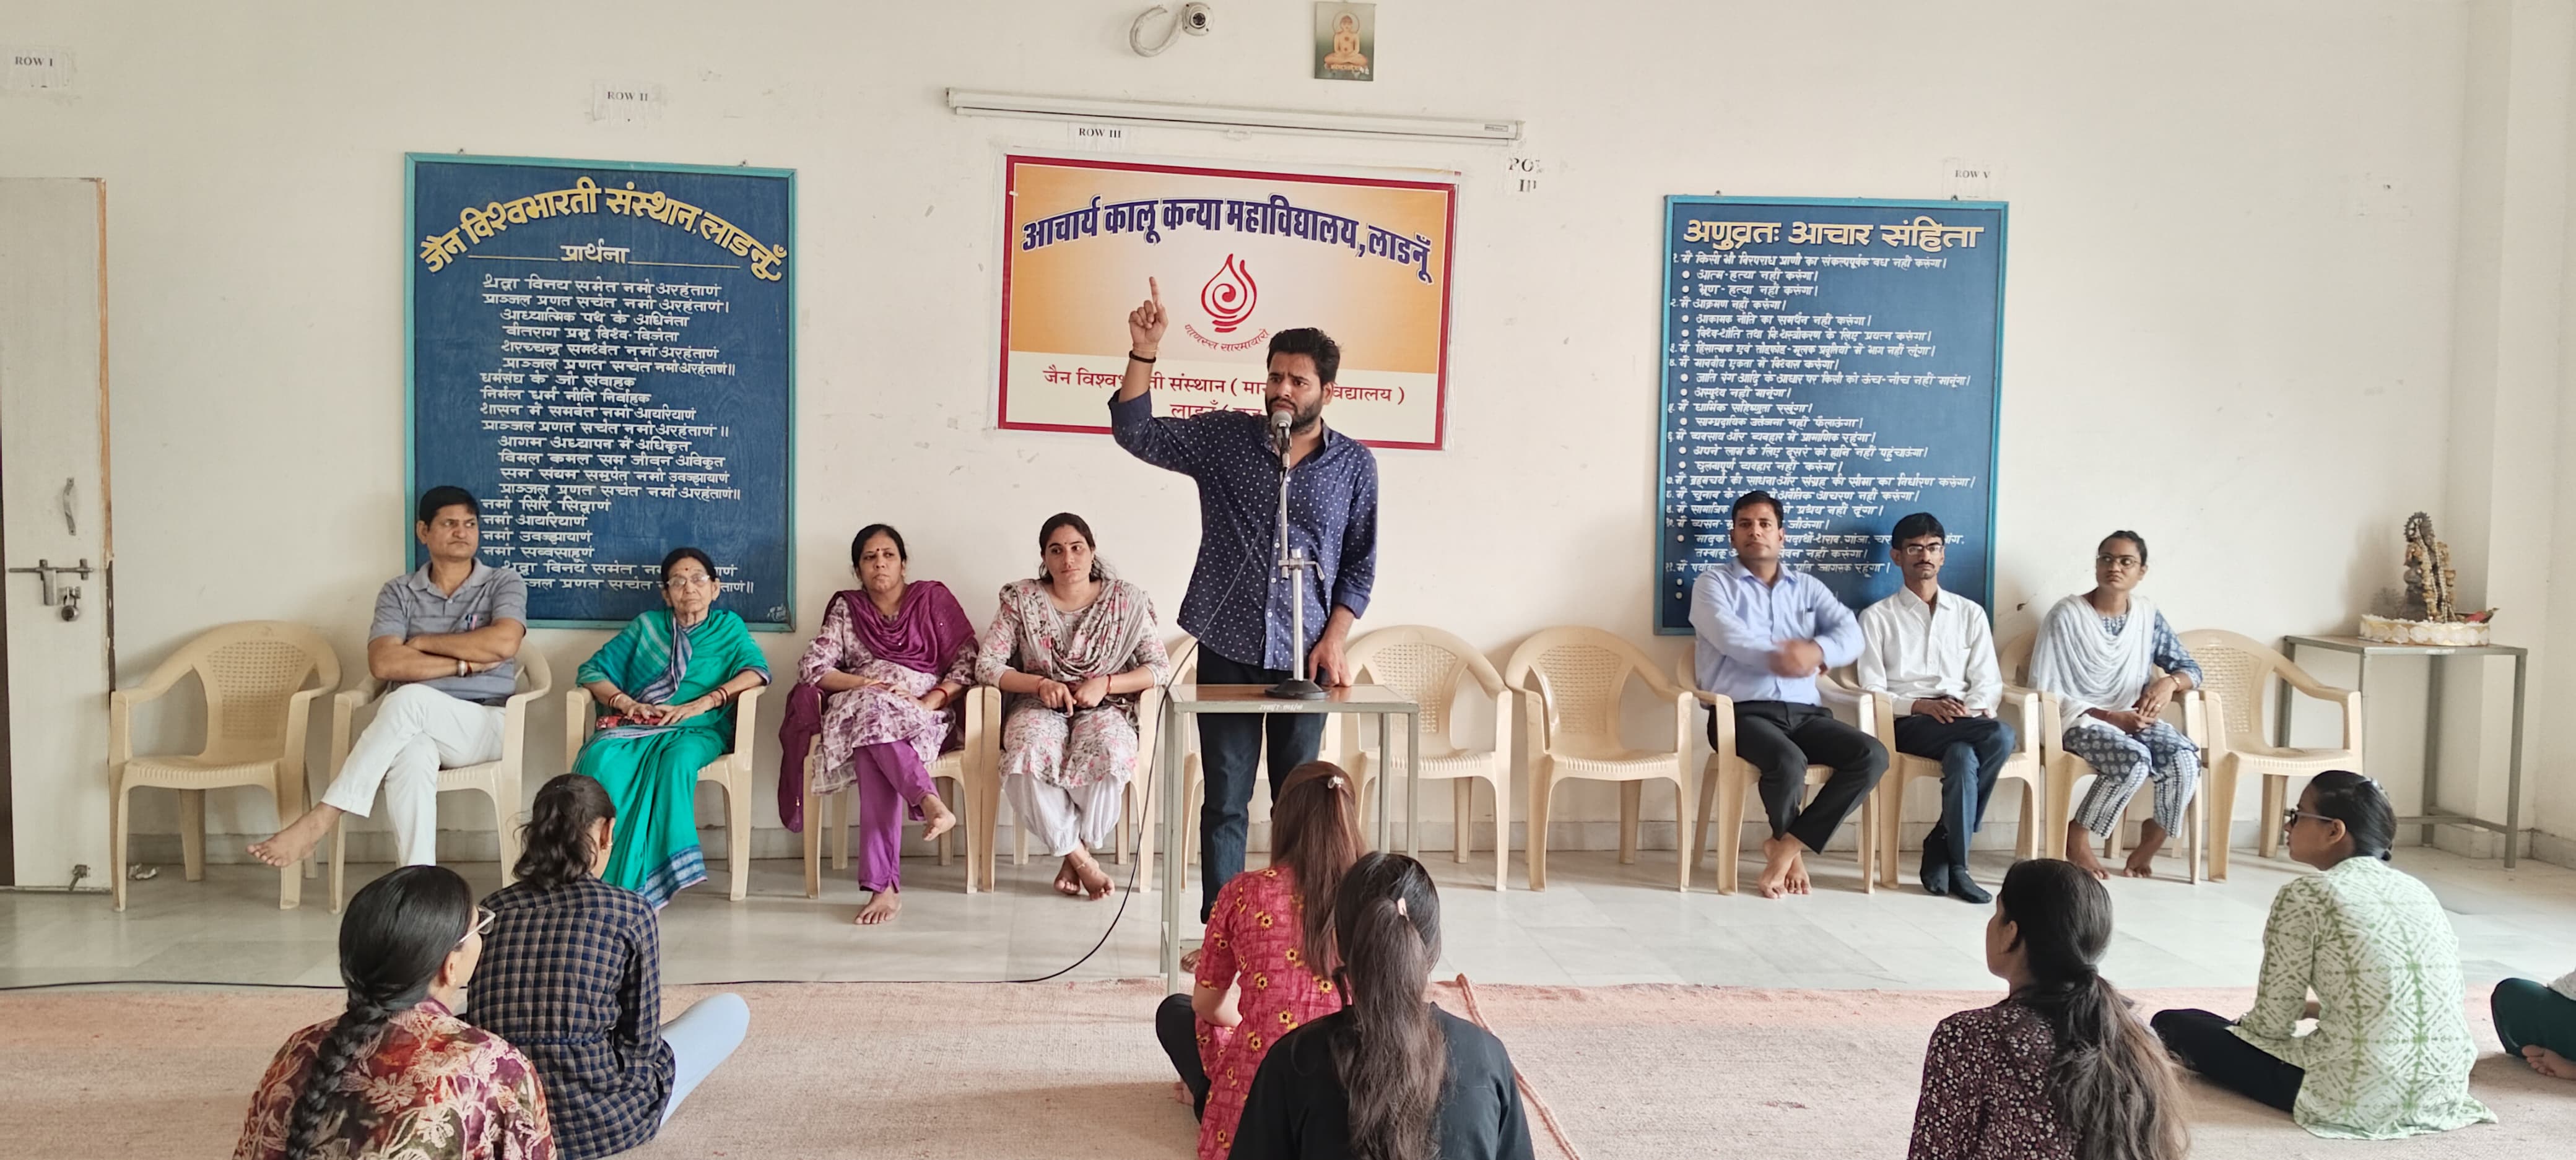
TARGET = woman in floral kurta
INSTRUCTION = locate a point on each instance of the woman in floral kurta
(2390, 1053)
(875, 693)
(401, 1077)
(1074, 649)
(457, 1092)
(1252, 944)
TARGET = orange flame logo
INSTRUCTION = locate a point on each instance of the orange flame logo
(1228, 296)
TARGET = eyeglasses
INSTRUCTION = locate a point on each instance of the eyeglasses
(483, 920)
(2290, 817)
(676, 583)
(1918, 549)
(2119, 561)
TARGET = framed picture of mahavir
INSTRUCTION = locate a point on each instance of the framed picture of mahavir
(1240, 255)
(1345, 42)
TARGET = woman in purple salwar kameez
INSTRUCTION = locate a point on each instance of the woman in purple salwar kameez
(879, 687)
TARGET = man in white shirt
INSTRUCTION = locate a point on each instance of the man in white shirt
(1931, 655)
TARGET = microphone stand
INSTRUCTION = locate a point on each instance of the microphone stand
(1293, 562)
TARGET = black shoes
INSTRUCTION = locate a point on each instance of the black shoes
(1940, 877)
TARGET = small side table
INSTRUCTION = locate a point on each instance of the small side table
(2433, 813)
(1182, 702)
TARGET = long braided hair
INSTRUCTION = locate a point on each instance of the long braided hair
(397, 933)
(2111, 1080)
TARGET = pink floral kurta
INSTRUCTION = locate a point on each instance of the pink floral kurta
(861, 717)
(1114, 634)
(435, 1088)
(1253, 934)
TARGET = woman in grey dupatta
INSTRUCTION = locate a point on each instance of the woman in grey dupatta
(1072, 649)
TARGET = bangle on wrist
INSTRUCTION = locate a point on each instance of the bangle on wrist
(1145, 359)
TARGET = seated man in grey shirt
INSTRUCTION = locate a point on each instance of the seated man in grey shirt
(444, 638)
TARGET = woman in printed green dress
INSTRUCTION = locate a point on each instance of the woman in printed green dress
(2390, 1052)
(665, 687)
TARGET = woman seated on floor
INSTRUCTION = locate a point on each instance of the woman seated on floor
(398, 1074)
(2099, 654)
(2390, 1054)
(877, 687)
(2060, 1068)
(1073, 648)
(1267, 965)
(1389, 1076)
(666, 687)
(572, 974)
(2538, 1024)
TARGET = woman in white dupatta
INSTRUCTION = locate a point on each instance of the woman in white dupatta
(1072, 649)
(2113, 665)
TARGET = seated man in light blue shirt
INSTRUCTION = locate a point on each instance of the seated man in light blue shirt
(1764, 632)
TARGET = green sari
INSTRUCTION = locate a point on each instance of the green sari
(651, 771)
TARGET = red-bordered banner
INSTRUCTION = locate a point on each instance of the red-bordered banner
(1241, 255)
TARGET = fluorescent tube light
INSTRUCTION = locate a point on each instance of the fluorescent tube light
(967, 103)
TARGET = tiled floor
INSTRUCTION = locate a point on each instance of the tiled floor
(1598, 923)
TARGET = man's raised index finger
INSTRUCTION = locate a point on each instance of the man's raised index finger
(1156, 289)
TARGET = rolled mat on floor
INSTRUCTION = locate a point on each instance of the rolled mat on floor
(973, 1070)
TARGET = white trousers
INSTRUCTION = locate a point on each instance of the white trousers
(417, 731)
(1063, 818)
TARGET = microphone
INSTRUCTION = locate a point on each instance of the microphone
(1280, 422)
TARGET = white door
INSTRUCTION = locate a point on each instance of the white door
(53, 510)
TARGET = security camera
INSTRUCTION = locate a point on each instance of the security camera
(1195, 19)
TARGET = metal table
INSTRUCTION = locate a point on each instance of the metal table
(2433, 813)
(1181, 702)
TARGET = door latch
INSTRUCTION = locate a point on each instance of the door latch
(46, 572)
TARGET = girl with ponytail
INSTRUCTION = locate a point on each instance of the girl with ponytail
(573, 972)
(2060, 1069)
(1389, 1077)
(407, 947)
(1267, 965)
(2390, 1054)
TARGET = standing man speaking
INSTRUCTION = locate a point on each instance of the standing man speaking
(1238, 603)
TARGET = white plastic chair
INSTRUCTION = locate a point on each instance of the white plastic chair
(499, 780)
(1727, 779)
(2236, 667)
(730, 770)
(1425, 664)
(258, 709)
(1570, 679)
(966, 769)
(2026, 766)
(2065, 770)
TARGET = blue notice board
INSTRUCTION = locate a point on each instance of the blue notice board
(1843, 355)
(603, 353)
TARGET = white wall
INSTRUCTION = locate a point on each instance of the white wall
(2216, 334)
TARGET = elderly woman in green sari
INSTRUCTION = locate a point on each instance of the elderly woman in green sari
(666, 687)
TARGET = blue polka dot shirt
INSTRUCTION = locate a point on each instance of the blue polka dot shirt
(1238, 600)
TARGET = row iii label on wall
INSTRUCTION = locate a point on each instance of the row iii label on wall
(603, 354)
(1844, 356)
(1241, 256)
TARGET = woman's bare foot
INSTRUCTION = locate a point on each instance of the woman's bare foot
(881, 908)
(1095, 881)
(1190, 959)
(2142, 861)
(1782, 871)
(2548, 1063)
(290, 845)
(2079, 850)
(936, 817)
(1068, 879)
(1181, 1094)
